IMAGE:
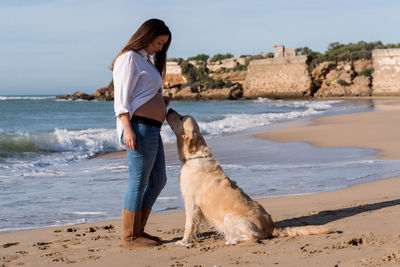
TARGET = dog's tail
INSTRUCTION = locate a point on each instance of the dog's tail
(302, 230)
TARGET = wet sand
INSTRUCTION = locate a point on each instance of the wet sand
(365, 217)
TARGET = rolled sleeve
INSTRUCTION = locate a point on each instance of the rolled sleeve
(125, 76)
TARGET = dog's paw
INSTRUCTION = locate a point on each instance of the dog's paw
(231, 242)
(183, 243)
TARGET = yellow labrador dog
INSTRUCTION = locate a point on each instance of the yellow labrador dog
(208, 193)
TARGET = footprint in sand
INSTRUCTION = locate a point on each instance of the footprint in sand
(174, 231)
(7, 245)
(42, 245)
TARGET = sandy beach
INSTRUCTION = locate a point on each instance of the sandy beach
(365, 216)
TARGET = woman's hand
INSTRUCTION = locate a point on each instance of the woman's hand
(167, 100)
(129, 134)
(130, 138)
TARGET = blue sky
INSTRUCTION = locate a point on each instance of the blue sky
(62, 46)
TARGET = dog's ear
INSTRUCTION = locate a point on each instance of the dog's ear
(191, 141)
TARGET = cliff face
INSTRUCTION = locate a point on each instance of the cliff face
(188, 93)
(173, 76)
(174, 81)
(333, 79)
(286, 76)
(386, 75)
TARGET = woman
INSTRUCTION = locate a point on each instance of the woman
(140, 109)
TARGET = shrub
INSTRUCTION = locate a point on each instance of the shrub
(253, 58)
(198, 78)
(240, 68)
(366, 72)
(393, 46)
(313, 56)
(200, 57)
(342, 83)
(179, 60)
(343, 52)
(270, 55)
(189, 71)
(218, 57)
(223, 69)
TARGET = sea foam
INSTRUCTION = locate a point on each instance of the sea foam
(26, 97)
(84, 143)
(236, 122)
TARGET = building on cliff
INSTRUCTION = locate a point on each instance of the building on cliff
(285, 75)
(386, 74)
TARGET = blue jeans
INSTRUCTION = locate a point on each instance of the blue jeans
(147, 174)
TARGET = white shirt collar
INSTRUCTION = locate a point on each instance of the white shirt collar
(144, 54)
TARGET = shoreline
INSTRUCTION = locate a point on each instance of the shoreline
(358, 130)
(365, 215)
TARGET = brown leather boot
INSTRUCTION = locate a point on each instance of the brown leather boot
(145, 215)
(131, 229)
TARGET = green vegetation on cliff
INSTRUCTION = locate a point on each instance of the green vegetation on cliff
(343, 52)
(200, 57)
(199, 76)
(218, 57)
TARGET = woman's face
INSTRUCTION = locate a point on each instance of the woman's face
(157, 44)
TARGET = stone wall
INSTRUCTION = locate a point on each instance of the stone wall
(278, 77)
(173, 76)
(281, 51)
(233, 76)
(386, 74)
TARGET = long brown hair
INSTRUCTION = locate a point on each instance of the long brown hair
(146, 33)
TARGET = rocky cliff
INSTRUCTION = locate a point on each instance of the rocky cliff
(287, 75)
(284, 76)
(188, 93)
(334, 79)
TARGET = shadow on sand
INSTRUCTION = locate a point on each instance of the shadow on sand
(327, 216)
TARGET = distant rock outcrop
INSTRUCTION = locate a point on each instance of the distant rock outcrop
(334, 79)
(104, 94)
(188, 93)
(76, 96)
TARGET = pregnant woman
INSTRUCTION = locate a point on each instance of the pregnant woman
(140, 109)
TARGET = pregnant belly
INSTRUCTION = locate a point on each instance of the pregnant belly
(153, 109)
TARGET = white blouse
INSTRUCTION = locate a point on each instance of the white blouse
(136, 81)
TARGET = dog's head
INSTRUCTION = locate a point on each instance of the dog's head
(189, 139)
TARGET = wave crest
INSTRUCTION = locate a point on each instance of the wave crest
(85, 143)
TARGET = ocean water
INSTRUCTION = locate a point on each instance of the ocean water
(53, 170)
